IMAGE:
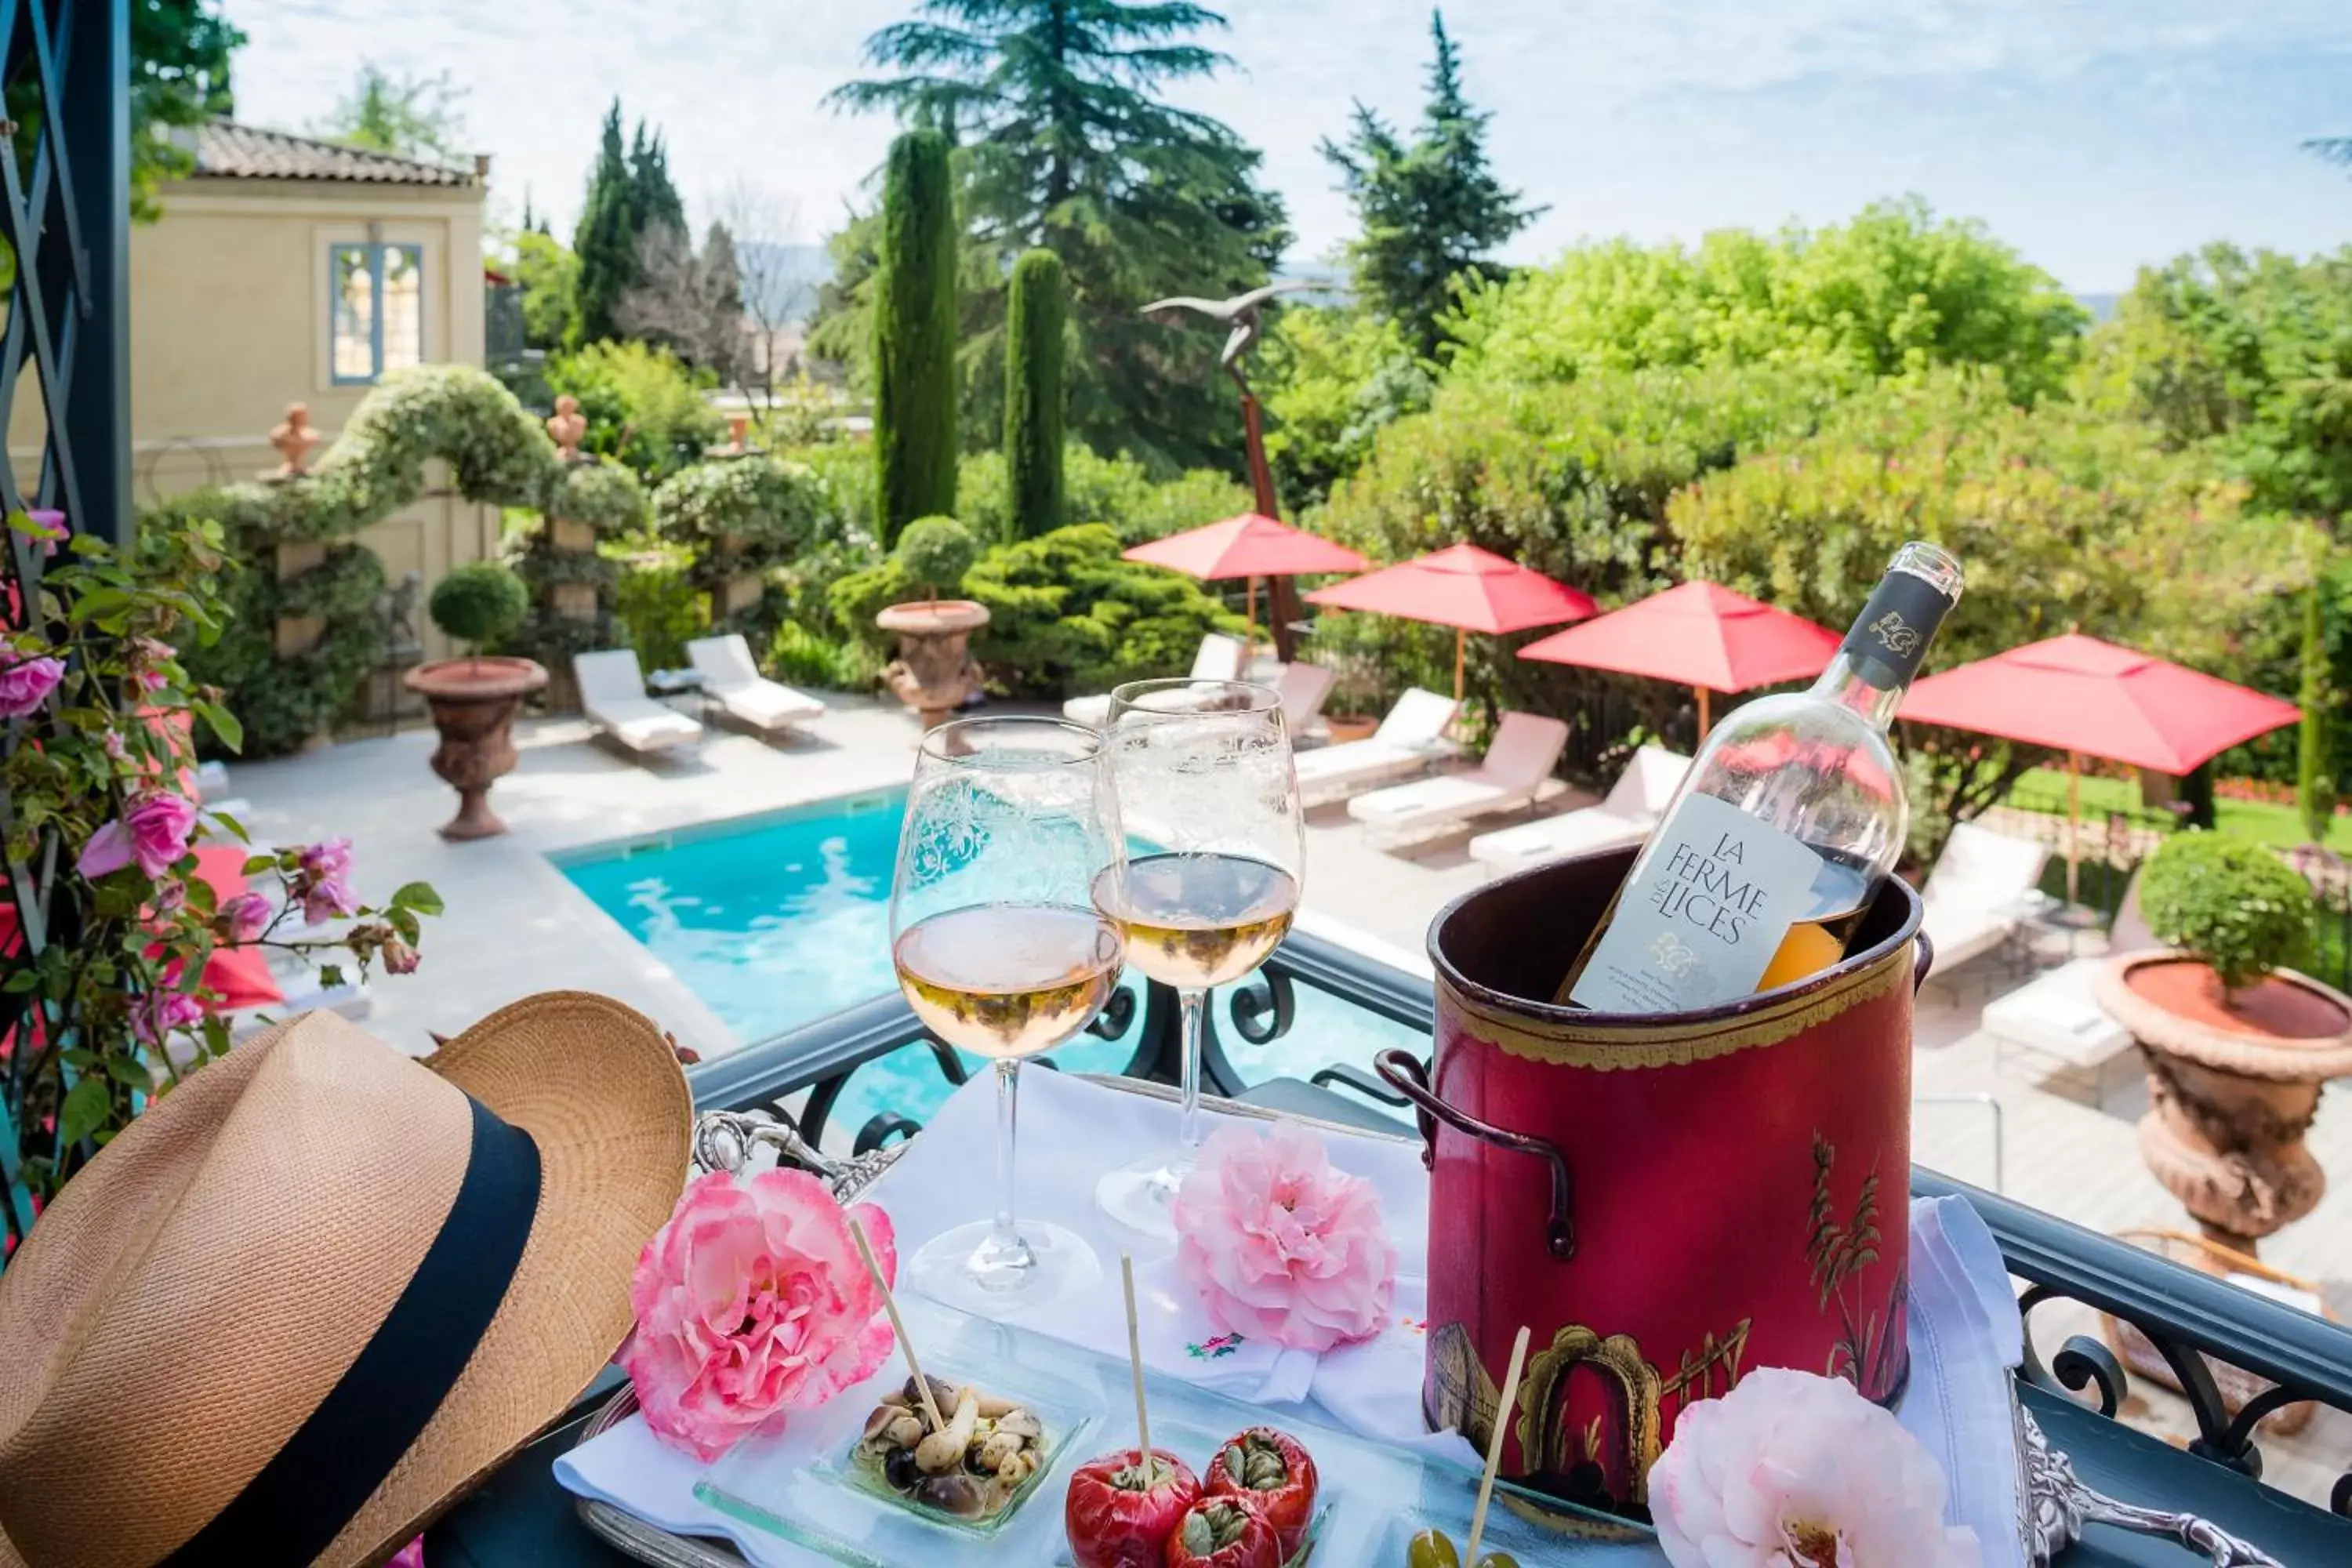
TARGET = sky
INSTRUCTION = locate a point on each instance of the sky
(2093, 135)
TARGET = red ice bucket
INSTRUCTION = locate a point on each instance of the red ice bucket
(1665, 1200)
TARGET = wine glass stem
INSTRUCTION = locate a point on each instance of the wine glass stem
(1191, 1014)
(1005, 1235)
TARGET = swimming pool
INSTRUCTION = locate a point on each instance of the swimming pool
(777, 921)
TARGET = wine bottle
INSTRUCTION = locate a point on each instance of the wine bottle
(1791, 815)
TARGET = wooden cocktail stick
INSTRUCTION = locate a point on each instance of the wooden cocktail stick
(1134, 1364)
(899, 1327)
(1495, 1444)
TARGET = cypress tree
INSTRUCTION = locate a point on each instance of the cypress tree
(2315, 788)
(1034, 319)
(653, 197)
(915, 337)
(606, 240)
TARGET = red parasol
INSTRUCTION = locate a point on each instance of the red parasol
(1251, 545)
(1465, 587)
(1699, 634)
(2088, 697)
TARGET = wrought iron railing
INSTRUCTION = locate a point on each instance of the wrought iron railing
(2188, 1317)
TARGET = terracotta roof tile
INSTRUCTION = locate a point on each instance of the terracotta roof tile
(225, 150)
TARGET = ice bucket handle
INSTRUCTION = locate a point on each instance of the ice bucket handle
(1403, 1072)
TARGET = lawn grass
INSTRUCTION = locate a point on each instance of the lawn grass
(2044, 789)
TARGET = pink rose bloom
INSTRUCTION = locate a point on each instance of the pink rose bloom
(48, 527)
(409, 1556)
(247, 916)
(159, 1014)
(116, 746)
(1792, 1470)
(25, 683)
(1281, 1245)
(153, 831)
(323, 880)
(752, 1301)
(399, 958)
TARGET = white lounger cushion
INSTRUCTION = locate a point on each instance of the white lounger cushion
(1405, 742)
(1302, 687)
(2059, 1015)
(1219, 658)
(1525, 749)
(1634, 805)
(1978, 891)
(613, 692)
(729, 676)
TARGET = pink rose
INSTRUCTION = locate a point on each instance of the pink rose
(1792, 1471)
(153, 831)
(399, 958)
(323, 880)
(247, 916)
(48, 527)
(1281, 1245)
(116, 746)
(25, 683)
(157, 1015)
(752, 1301)
(147, 657)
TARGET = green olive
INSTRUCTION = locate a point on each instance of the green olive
(1431, 1549)
(1498, 1559)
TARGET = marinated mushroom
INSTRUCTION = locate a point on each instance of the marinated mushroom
(943, 1450)
(971, 1467)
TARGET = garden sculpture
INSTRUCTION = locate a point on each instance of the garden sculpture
(293, 438)
(567, 427)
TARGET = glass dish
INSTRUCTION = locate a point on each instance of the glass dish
(802, 1486)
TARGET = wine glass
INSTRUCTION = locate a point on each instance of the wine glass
(1207, 789)
(1012, 834)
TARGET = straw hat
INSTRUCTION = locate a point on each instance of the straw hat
(321, 1288)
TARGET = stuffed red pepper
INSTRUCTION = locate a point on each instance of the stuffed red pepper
(1225, 1532)
(1273, 1470)
(1119, 1517)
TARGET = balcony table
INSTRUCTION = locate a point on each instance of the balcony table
(521, 1518)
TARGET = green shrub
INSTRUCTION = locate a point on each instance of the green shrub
(2230, 903)
(799, 657)
(915, 337)
(1035, 322)
(777, 507)
(658, 608)
(1067, 615)
(478, 602)
(1117, 491)
(935, 552)
(643, 406)
(2315, 784)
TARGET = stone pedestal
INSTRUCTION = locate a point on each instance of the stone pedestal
(738, 593)
(299, 634)
(303, 555)
(570, 536)
(574, 601)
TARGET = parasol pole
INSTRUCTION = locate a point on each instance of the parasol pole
(1703, 722)
(1460, 638)
(2073, 824)
(1249, 637)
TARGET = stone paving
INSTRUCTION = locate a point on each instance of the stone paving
(516, 926)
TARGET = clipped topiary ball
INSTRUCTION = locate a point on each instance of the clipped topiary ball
(478, 602)
(2233, 904)
(936, 551)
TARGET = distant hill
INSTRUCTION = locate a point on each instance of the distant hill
(2101, 306)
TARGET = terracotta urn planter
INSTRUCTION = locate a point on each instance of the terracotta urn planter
(934, 671)
(1345, 727)
(474, 702)
(2234, 1083)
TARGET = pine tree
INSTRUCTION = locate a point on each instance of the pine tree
(1034, 322)
(1063, 142)
(1430, 211)
(656, 200)
(2314, 791)
(915, 337)
(606, 240)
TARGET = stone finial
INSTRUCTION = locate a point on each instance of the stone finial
(294, 438)
(567, 427)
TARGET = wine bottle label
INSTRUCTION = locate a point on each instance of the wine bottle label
(1891, 635)
(1718, 892)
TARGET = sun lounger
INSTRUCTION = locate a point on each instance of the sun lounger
(2056, 1019)
(1303, 687)
(1982, 888)
(1409, 739)
(1633, 807)
(612, 694)
(730, 680)
(1525, 750)
(1219, 658)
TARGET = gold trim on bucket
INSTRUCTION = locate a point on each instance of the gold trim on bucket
(1636, 1046)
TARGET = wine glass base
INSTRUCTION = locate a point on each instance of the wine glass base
(1142, 1197)
(964, 1268)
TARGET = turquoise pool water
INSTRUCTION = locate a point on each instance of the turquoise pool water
(778, 920)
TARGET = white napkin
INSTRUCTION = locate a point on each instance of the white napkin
(1176, 1336)
(639, 1474)
(1967, 1338)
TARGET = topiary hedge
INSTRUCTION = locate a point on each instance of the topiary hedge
(497, 453)
(1066, 616)
(744, 515)
(2230, 903)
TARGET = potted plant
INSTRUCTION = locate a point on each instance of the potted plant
(2238, 1045)
(934, 671)
(474, 700)
(1355, 700)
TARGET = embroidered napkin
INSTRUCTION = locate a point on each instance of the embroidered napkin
(1176, 1337)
